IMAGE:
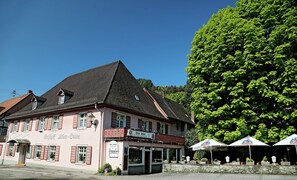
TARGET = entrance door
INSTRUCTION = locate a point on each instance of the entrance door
(147, 162)
(22, 154)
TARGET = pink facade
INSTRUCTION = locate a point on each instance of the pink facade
(115, 122)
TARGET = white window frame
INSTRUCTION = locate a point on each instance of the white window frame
(38, 149)
(55, 122)
(51, 151)
(34, 105)
(121, 120)
(146, 125)
(41, 124)
(82, 121)
(81, 151)
(61, 98)
(28, 152)
(27, 125)
(10, 149)
(162, 128)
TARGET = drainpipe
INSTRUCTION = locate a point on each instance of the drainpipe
(101, 134)
(6, 139)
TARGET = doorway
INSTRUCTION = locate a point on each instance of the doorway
(22, 154)
(147, 162)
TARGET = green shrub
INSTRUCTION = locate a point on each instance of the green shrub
(106, 167)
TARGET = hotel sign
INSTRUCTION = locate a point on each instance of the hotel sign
(113, 149)
(140, 134)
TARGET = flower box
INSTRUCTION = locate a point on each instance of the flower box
(201, 162)
(217, 162)
(235, 163)
(250, 163)
(265, 163)
(285, 163)
(173, 162)
(193, 162)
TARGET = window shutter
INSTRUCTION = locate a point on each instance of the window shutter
(75, 121)
(158, 127)
(18, 126)
(49, 123)
(42, 153)
(150, 126)
(89, 120)
(166, 128)
(36, 124)
(22, 124)
(60, 121)
(7, 148)
(45, 152)
(31, 124)
(113, 120)
(13, 150)
(32, 152)
(140, 124)
(73, 154)
(128, 122)
(57, 154)
(89, 155)
(1, 146)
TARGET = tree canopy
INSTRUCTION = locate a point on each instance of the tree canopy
(243, 70)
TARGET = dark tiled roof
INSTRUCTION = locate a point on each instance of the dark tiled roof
(172, 109)
(111, 84)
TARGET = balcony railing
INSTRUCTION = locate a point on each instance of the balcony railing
(121, 133)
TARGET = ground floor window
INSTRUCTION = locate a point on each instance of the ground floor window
(165, 154)
(38, 149)
(51, 153)
(135, 155)
(172, 154)
(11, 149)
(81, 154)
(156, 155)
(28, 152)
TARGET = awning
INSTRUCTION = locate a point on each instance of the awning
(19, 141)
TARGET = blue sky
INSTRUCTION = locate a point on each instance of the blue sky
(44, 41)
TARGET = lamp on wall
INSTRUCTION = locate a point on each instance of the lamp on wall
(93, 122)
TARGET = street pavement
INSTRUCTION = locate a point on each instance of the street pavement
(29, 172)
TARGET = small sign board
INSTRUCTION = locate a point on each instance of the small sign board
(113, 149)
(140, 134)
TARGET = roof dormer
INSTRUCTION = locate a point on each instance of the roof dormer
(64, 95)
(37, 101)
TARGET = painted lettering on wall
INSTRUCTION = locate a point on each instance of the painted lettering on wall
(61, 136)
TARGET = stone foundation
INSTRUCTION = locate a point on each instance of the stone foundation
(241, 169)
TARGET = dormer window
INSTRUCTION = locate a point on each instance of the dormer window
(64, 95)
(37, 101)
(61, 98)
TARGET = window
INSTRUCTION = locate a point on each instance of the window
(146, 125)
(162, 128)
(41, 124)
(165, 154)
(121, 120)
(11, 149)
(55, 122)
(61, 98)
(157, 155)
(82, 120)
(81, 154)
(14, 126)
(135, 155)
(38, 151)
(27, 125)
(28, 152)
(51, 153)
(34, 105)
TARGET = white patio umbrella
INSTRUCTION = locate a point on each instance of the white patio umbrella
(288, 141)
(248, 141)
(208, 144)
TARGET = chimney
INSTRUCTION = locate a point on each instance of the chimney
(30, 91)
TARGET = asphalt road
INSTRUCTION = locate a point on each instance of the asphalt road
(28, 172)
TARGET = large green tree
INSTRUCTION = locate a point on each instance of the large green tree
(243, 69)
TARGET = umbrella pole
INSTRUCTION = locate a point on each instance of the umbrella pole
(211, 161)
(296, 148)
(250, 152)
